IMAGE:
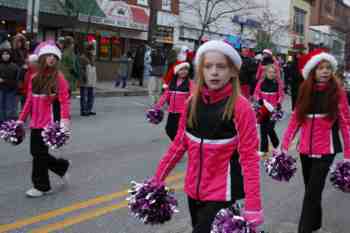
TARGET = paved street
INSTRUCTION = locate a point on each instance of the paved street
(107, 152)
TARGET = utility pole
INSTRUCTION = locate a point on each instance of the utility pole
(152, 21)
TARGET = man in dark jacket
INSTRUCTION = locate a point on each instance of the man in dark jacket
(158, 61)
(8, 85)
(247, 74)
(294, 78)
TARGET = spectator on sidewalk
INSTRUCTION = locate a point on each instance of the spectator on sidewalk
(8, 84)
(158, 62)
(32, 63)
(87, 81)
(69, 63)
(139, 65)
(123, 71)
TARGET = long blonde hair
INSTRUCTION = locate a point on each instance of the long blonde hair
(229, 108)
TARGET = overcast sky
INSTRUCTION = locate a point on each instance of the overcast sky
(347, 2)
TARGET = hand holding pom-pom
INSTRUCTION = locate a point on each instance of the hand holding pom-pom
(340, 176)
(55, 135)
(280, 167)
(154, 115)
(12, 132)
(228, 221)
(151, 202)
(277, 115)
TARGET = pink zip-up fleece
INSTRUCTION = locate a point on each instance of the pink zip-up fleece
(319, 133)
(39, 106)
(270, 90)
(208, 170)
(175, 95)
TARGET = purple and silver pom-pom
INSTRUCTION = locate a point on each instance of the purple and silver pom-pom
(227, 222)
(340, 176)
(151, 202)
(280, 167)
(55, 136)
(12, 132)
(154, 115)
(277, 115)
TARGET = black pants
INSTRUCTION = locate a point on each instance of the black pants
(267, 130)
(204, 212)
(43, 162)
(56, 110)
(172, 125)
(87, 99)
(315, 172)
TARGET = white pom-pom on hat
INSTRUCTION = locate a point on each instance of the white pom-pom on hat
(220, 46)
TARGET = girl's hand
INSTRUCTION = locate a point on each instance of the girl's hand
(65, 124)
(254, 218)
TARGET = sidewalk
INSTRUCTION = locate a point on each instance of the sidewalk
(107, 89)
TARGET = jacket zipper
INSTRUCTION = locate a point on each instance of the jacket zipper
(200, 167)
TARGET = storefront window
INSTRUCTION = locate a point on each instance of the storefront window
(104, 48)
(116, 47)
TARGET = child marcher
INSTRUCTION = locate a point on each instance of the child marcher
(44, 87)
(176, 95)
(269, 90)
(8, 85)
(321, 110)
(213, 118)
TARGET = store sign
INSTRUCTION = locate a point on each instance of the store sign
(166, 19)
(119, 14)
(164, 34)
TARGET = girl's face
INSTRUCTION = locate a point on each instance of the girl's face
(323, 72)
(183, 73)
(5, 56)
(51, 60)
(270, 73)
(216, 70)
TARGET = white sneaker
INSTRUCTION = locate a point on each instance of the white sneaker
(33, 192)
(66, 177)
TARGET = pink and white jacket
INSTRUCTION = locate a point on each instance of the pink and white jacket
(270, 90)
(319, 133)
(176, 95)
(39, 106)
(208, 174)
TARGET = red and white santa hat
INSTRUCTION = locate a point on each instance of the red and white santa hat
(179, 65)
(309, 61)
(268, 51)
(221, 46)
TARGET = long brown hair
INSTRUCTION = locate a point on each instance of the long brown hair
(305, 98)
(229, 108)
(45, 81)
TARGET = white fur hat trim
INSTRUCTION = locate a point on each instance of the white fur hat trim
(220, 46)
(50, 49)
(315, 60)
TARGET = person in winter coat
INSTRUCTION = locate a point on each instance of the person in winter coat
(270, 92)
(294, 78)
(45, 86)
(157, 70)
(216, 127)
(69, 64)
(321, 111)
(87, 82)
(8, 85)
(175, 95)
(247, 74)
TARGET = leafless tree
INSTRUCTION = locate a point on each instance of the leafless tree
(211, 12)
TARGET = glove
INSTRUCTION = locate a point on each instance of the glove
(65, 124)
(254, 218)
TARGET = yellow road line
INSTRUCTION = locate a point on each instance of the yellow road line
(87, 216)
(77, 206)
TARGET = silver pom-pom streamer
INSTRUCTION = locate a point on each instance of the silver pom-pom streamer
(340, 176)
(12, 132)
(280, 167)
(151, 202)
(55, 136)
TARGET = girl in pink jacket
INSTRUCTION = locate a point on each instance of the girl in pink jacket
(269, 90)
(44, 87)
(176, 95)
(321, 111)
(217, 129)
